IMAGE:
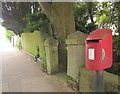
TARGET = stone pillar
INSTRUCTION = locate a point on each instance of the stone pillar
(61, 17)
(75, 56)
(51, 48)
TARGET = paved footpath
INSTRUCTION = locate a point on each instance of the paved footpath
(21, 74)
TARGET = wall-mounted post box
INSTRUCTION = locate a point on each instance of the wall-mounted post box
(99, 49)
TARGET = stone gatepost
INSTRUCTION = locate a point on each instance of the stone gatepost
(51, 48)
(75, 57)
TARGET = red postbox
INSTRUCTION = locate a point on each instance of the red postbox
(99, 49)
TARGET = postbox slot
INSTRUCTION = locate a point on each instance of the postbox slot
(93, 40)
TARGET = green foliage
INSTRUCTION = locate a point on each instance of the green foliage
(107, 13)
(103, 14)
(13, 13)
(44, 62)
(81, 18)
(36, 21)
(114, 69)
(19, 45)
(116, 16)
(9, 34)
(116, 48)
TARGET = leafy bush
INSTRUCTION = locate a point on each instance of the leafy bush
(82, 16)
(116, 48)
(19, 45)
(36, 21)
(9, 34)
(114, 68)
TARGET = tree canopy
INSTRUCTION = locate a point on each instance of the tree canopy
(13, 14)
(88, 16)
(36, 21)
(84, 12)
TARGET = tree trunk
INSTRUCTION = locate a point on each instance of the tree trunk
(61, 18)
(90, 10)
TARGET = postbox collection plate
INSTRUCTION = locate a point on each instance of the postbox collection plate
(91, 53)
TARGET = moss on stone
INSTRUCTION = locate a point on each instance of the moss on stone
(30, 41)
(51, 47)
(87, 81)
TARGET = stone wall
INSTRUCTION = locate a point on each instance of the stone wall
(87, 81)
(75, 57)
(30, 41)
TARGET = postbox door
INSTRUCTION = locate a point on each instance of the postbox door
(93, 54)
